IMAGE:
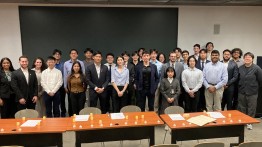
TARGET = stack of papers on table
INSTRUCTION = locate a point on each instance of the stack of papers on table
(201, 120)
(81, 117)
(117, 116)
(30, 123)
(216, 114)
(176, 116)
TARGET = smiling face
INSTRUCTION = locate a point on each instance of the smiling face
(248, 60)
(23, 63)
(97, 58)
(76, 68)
(214, 57)
(120, 61)
(6, 65)
(38, 63)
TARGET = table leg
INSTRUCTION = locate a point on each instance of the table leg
(173, 137)
(152, 136)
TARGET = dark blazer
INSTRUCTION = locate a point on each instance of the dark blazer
(139, 77)
(20, 86)
(5, 86)
(131, 69)
(92, 77)
(198, 64)
(232, 71)
(179, 68)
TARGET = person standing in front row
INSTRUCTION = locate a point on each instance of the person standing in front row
(51, 81)
(146, 81)
(98, 78)
(250, 78)
(24, 84)
(170, 89)
(67, 71)
(120, 81)
(192, 80)
(215, 78)
(77, 86)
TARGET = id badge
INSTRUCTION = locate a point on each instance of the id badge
(172, 91)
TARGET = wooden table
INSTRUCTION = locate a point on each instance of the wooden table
(232, 125)
(47, 133)
(102, 128)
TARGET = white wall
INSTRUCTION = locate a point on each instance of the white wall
(239, 27)
(10, 38)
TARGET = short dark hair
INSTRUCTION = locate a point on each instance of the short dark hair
(23, 56)
(125, 53)
(197, 45)
(203, 50)
(178, 49)
(159, 56)
(190, 58)
(226, 50)
(141, 49)
(120, 57)
(73, 50)
(135, 53)
(249, 54)
(209, 43)
(239, 50)
(185, 51)
(145, 52)
(50, 58)
(88, 50)
(215, 52)
(170, 69)
(97, 52)
(153, 50)
(110, 54)
(57, 51)
(171, 53)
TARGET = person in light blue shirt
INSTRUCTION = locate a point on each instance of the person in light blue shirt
(120, 81)
(67, 71)
(185, 55)
(215, 77)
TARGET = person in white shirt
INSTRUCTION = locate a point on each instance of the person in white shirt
(192, 80)
(51, 81)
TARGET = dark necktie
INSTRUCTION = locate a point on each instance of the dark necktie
(203, 65)
(110, 73)
(172, 65)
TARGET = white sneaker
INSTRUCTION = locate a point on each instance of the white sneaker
(249, 127)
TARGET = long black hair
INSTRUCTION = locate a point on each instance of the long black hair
(11, 68)
(168, 70)
(43, 67)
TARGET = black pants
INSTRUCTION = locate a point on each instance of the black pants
(62, 99)
(119, 102)
(141, 100)
(102, 98)
(52, 104)
(109, 90)
(77, 101)
(181, 98)
(202, 100)
(227, 98)
(8, 109)
(29, 105)
(131, 96)
(235, 97)
(191, 103)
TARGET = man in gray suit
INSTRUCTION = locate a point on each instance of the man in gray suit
(178, 69)
(232, 70)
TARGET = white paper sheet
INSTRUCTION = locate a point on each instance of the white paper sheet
(117, 116)
(216, 114)
(176, 117)
(30, 123)
(200, 120)
(82, 118)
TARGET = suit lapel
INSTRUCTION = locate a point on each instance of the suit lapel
(22, 75)
(94, 66)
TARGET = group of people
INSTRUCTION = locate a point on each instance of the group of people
(195, 82)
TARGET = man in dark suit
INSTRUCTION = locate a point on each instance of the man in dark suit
(98, 79)
(131, 69)
(232, 70)
(24, 84)
(146, 81)
(201, 62)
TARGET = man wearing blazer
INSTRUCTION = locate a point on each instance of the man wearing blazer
(146, 81)
(98, 79)
(232, 70)
(24, 84)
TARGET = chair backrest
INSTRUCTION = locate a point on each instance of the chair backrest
(251, 144)
(210, 144)
(174, 110)
(88, 110)
(27, 113)
(130, 108)
(166, 145)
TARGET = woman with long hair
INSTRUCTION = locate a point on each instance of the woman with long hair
(7, 96)
(77, 84)
(39, 66)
